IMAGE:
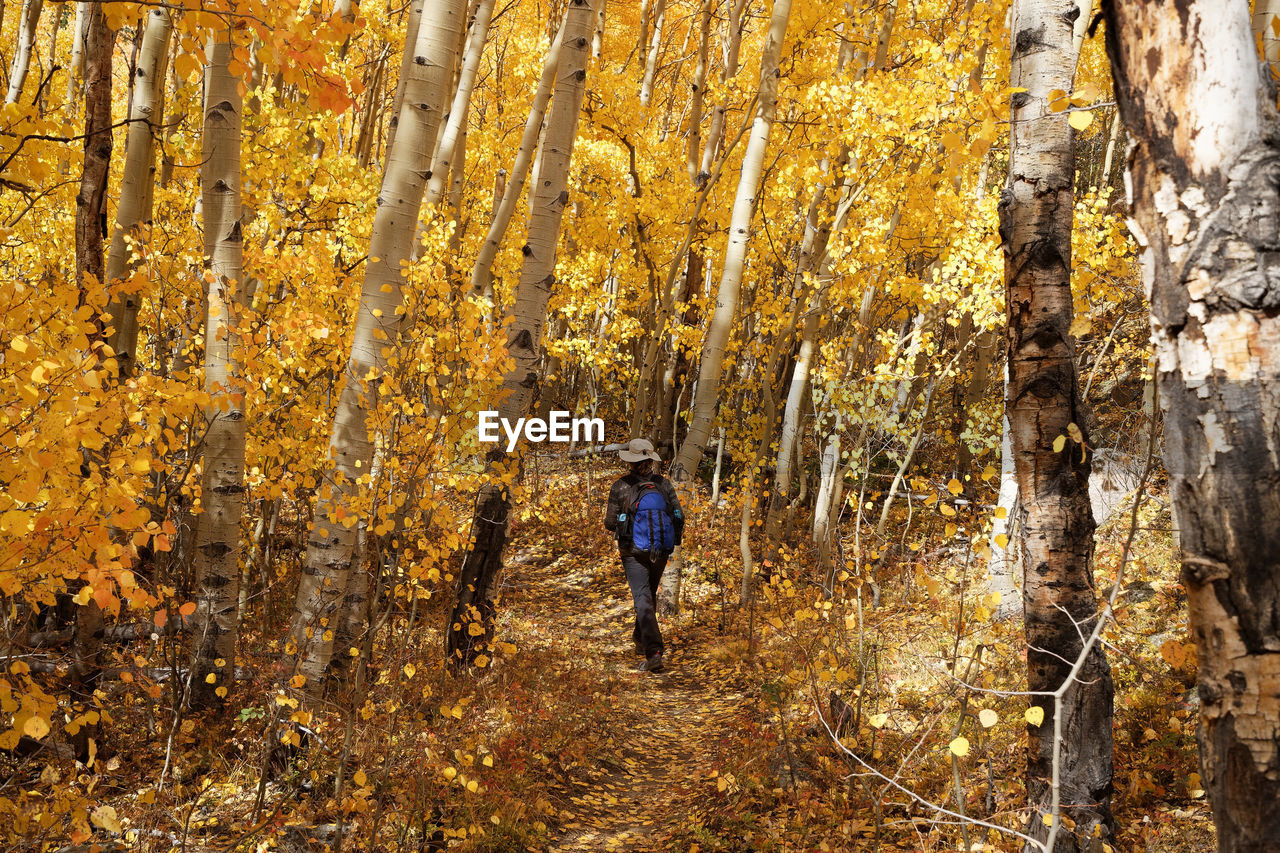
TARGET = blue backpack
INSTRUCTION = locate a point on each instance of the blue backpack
(652, 527)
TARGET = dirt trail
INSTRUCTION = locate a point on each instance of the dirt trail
(679, 721)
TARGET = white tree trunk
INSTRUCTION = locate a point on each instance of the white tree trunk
(28, 24)
(455, 126)
(377, 327)
(138, 183)
(217, 541)
(550, 197)
(482, 274)
(711, 366)
(655, 50)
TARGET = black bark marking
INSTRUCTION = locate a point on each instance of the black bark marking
(1027, 39)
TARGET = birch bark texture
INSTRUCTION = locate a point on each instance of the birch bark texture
(28, 23)
(137, 186)
(1043, 403)
(1204, 173)
(379, 316)
(469, 620)
(482, 272)
(711, 366)
(217, 543)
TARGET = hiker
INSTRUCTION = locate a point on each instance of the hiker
(645, 517)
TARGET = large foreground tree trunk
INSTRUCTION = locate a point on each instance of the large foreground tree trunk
(711, 366)
(1205, 179)
(377, 327)
(217, 543)
(469, 621)
(1043, 403)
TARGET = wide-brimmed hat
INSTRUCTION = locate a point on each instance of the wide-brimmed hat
(638, 450)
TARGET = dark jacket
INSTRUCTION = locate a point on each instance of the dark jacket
(623, 496)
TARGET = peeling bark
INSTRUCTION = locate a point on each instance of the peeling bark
(1204, 182)
(1042, 400)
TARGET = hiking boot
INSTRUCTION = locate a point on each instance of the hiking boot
(653, 664)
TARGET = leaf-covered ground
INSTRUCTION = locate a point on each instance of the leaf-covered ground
(674, 726)
(561, 744)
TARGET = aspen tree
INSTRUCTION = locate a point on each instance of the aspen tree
(138, 183)
(654, 51)
(91, 201)
(711, 365)
(454, 135)
(1203, 170)
(482, 273)
(728, 70)
(697, 91)
(468, 622)
(217, 538)
(333, 537)
(28, 25)
(1049, 444)
(75, 69)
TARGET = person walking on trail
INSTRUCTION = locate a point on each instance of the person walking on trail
(645, 516)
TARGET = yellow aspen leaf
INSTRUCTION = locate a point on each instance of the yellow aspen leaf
(878, 720)
(947, 510)
(482, 660)
(1034, 715)
(954, 486)
(35, 727)
(988, 718)
(959, 747)
(297, 681)
(487, 761)
(1001, 512)
(472, 786)
(82, 597)
(409, 670)
(105, 817)
(1080, 119)
(1002, 541)
(449, 773)
(220, 692)
(360, 778)
(1059, 443)
(1047, 819)
(988, 473)
(211, 678)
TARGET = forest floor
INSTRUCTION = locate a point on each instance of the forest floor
(561, 744)
(678, 722)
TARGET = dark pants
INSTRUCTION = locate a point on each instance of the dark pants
(643, 576)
